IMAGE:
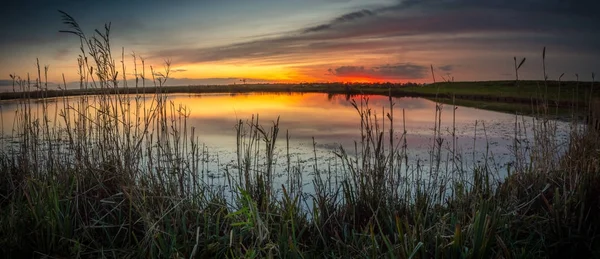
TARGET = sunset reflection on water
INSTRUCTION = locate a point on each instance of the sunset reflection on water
(330, 119)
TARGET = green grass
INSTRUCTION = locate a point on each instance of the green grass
(563, 98)
(106, 195)
(552, 91)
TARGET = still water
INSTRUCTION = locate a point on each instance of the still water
(331, 121)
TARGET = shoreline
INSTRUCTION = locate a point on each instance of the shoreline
(501, 96)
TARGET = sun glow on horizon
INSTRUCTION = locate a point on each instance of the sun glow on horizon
(271, 73)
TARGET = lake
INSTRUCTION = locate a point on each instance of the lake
(481, 137)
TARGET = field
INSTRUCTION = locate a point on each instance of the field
(120, 180)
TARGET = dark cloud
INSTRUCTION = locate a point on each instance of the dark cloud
(62, 53)
(37, 22)
(396, 71)
(491, 24)
(446, 68)
(348, 70)
(401, 71)
(321, 27)
(6, 82)
(353, 16)
(349, 17)
(573, 7)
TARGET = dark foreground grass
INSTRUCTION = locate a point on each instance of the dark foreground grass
(121, 178)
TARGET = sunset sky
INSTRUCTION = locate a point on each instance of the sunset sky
(219, 42)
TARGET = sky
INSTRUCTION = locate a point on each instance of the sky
(292, 41)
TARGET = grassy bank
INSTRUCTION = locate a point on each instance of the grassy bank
(551, 91)
(122, 178)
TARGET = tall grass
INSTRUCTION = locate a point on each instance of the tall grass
(117, 175)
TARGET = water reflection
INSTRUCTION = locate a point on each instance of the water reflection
(330, 119)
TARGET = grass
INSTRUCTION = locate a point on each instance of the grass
(122, 177)
(560, 112)
(555, 91)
